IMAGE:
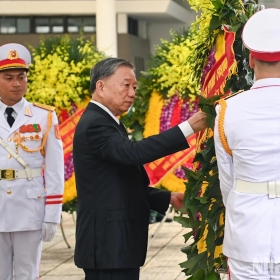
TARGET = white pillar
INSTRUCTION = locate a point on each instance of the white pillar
(122, 23)
(142, 26)
(106, 27)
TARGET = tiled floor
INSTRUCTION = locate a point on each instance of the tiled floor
(162, 261)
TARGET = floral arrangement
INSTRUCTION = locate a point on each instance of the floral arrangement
(160, 103)
(203, 199)
(59, 76)
(59, 73)
(161, 115)
(163, 88)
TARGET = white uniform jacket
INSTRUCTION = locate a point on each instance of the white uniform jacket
(252, 129)
(24, 205)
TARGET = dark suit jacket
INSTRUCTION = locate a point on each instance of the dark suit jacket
(113, 193)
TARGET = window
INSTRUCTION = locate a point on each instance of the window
(8, 25)
(81, 24)
(42, 25)
(23, 25)
(45, 24)
(133, 26)
(89, 25)
(74, 24)
(49, 25)
(56, 25)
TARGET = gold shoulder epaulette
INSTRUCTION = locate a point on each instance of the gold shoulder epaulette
(44, 106)
(234, 94)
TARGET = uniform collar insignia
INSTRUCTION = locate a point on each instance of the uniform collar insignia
(27, 111)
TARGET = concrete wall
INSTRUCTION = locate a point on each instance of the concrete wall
(134, 49)
(158, 31)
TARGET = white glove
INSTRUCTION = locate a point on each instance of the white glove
(48, 231)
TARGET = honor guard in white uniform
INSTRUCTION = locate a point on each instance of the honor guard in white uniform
(31, 170)
(247, 143)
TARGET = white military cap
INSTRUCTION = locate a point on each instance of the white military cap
(261, 35)
(14, 56)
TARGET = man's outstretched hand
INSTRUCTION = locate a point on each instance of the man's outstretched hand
(198, 121)
(176, 200)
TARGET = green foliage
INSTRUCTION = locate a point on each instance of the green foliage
(59, 74)
(204, 211)
(70, 206)
(233, 14)
(201, 37)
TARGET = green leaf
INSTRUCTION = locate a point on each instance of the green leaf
(186, 249)
(214, 190)
(219, 241)
(188, 235)
(217, 4)
(243, 17)
(192, 264)
(212, 276)
(220, 229)
(235, 27)
(137, 135)
(199, 275)
(202, 199)
(210, 238)
(198, 157)
(208, 101)
(187, 222)
(204, 210)
(190, 174)
(190, 185)
(193, 210)
(210, 121)
(215, 23)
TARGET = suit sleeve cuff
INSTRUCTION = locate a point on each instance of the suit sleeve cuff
(186, 129)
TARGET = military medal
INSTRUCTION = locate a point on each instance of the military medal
(30, 128)
(33, 137)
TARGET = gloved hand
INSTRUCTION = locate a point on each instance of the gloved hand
(48, 231)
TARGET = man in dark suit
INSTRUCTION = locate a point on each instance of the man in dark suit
(113, 193)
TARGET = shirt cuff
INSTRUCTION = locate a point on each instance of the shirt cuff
(186, 129)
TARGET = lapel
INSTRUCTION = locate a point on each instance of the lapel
(23, 116)
(120, 127)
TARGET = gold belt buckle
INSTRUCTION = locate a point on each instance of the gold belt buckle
(7, 174)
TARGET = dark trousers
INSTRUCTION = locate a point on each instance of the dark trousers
(112, 274)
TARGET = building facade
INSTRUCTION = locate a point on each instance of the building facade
(125, 28)
(128, 29)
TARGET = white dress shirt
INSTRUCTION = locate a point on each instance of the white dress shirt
(17, 107)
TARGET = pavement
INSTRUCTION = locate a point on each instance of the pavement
(162, 262)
